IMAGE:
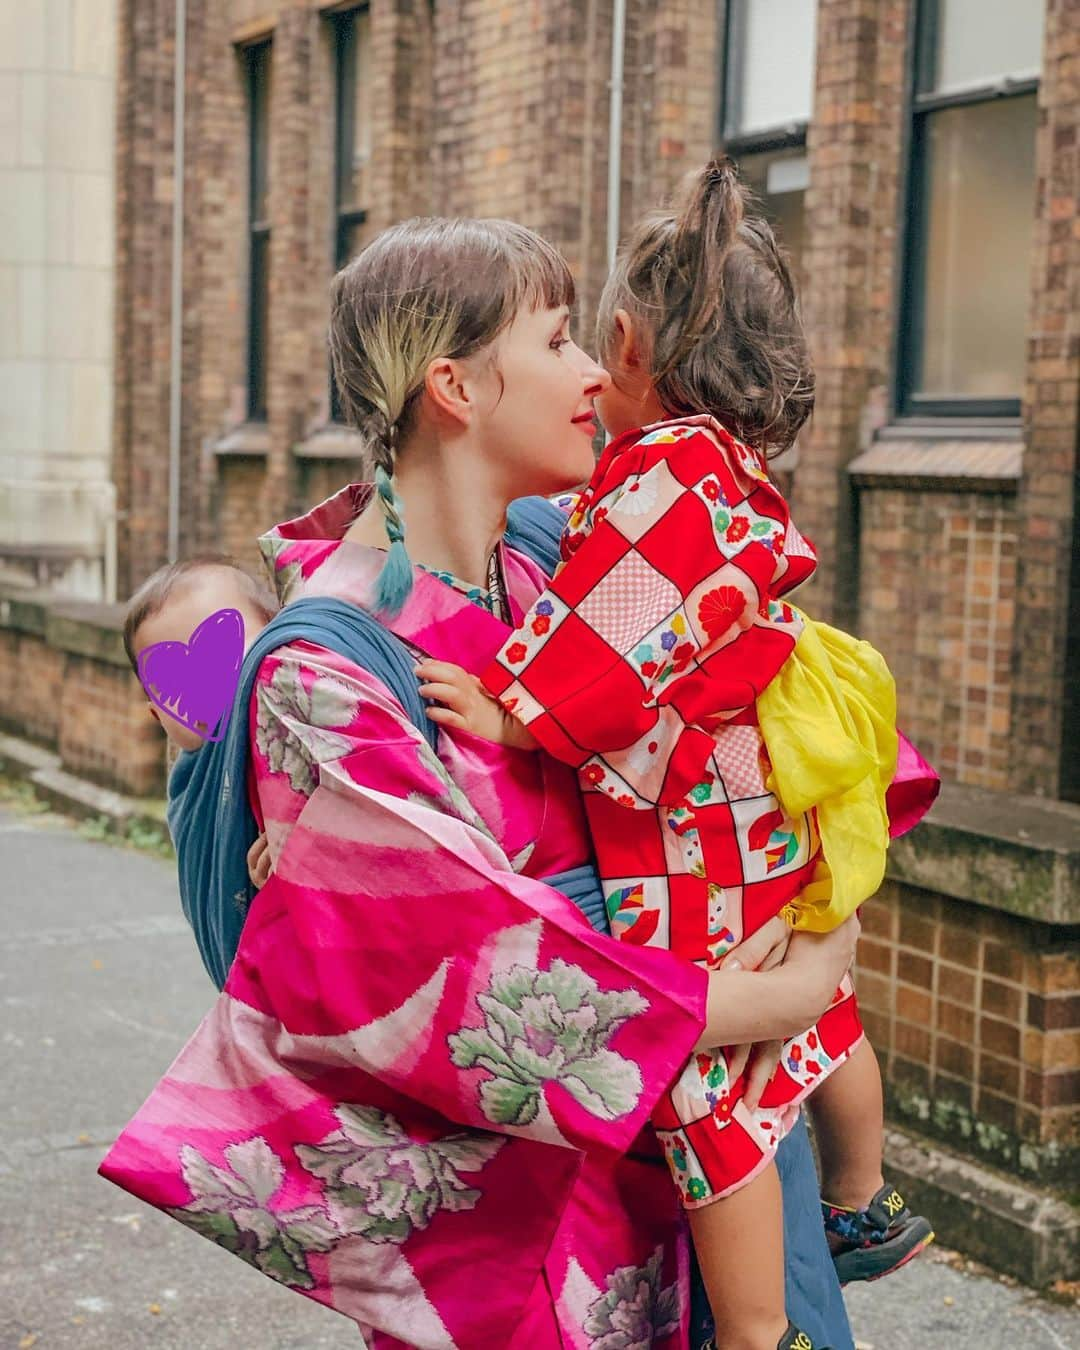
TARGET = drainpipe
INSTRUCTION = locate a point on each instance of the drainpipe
(614, 190)
(176, 351)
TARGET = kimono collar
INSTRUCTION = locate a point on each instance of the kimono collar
(310, 556)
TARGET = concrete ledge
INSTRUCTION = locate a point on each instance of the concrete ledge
(75, 796)
(1012, 1227)
(94, 631)
(331, 442)
(940, 464)
(1006, 852)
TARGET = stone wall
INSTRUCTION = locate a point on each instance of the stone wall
(57, 98)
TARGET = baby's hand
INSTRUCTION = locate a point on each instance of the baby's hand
(259, 863)
(468, 706)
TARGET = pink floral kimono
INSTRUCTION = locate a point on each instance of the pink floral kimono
(420, 1098)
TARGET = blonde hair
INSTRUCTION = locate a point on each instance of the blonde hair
(713, 294)
(424, 289)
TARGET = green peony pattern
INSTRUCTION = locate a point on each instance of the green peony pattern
(231, 1208)
(550, 1026)
(292, 721)
(383, 1185)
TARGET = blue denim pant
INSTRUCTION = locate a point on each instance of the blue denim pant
(814, 1301)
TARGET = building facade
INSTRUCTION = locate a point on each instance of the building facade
(922, 161)
(57, 231)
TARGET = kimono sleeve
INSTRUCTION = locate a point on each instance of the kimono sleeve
(662, 621)
(393, 918)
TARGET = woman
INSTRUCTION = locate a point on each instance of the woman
(421, 1096)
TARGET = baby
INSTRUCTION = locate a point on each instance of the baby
(168, 607)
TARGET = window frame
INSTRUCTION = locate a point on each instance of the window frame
(785, 136)
(257, 59)
(914, 233)
(345, 220)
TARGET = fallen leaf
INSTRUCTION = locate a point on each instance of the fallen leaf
(155, 1308)
(948, 1301)
(28, 1341)
(97, 965)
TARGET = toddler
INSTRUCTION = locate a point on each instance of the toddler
(168, 607)
(733, 756)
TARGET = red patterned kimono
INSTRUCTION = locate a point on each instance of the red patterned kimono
(640, 666)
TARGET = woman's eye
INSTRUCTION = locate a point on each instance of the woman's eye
(558, 343)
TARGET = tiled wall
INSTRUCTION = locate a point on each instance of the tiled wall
(975, 1017)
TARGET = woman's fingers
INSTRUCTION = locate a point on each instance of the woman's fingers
(737, 1057)
(754, 951)
(764, 1058)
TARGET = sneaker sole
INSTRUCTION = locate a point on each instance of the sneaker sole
(866, 1264)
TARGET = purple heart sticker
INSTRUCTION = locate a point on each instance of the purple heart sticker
(195, 681)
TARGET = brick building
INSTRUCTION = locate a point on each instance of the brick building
(922, 160)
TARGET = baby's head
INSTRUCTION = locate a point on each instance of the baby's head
(700, 315)
(176, 599)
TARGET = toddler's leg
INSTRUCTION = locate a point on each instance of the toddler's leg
(740, 1249)
(849, 1123)
(871, 1231)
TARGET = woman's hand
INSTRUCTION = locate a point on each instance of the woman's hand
(259, 862)
(766, 1005)
(766, 949)
(468, 706)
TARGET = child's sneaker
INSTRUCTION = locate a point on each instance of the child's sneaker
(792, 1339)
(876, 1240)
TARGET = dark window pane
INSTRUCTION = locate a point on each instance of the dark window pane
(975, 218)
(258, 316)
(770, 64)
(779, 179)
(259, 110)
(975, 43)
(354, 110)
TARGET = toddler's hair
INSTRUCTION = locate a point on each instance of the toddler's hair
(151, 597)
(712, 294)
(424, 289)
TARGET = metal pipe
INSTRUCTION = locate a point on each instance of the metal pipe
(614, 189)
(176, 351)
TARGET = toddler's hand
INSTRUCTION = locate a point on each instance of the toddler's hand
(259, 863)
(468, 706)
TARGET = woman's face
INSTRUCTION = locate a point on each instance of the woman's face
(539, 423)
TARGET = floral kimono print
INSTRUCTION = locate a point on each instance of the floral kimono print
(640, 666)
(419, 1098)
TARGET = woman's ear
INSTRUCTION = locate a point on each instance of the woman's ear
(445, 386)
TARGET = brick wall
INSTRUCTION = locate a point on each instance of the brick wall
(938, 598)
(65, 682)
(975, 1018)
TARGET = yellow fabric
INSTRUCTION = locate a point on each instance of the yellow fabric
(828, 721)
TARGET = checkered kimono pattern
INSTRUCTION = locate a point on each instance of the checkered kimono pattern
(640, 666)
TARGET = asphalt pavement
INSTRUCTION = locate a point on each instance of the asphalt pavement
(100, 984)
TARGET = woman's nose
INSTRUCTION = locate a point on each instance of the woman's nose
(597, 380)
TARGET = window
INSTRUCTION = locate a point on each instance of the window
(258, 81)
(353, 131)
(352, 151)
(769, 60)
(971, 208)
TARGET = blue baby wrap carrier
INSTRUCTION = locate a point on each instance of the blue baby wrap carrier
(210, 818)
